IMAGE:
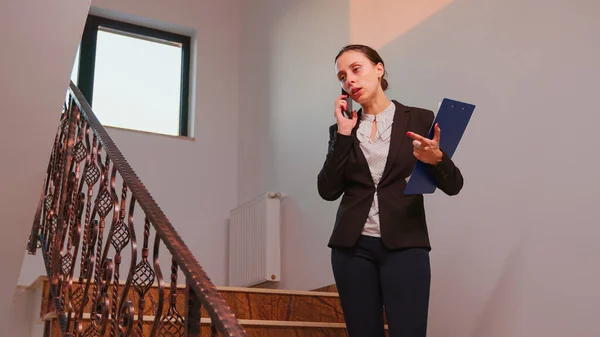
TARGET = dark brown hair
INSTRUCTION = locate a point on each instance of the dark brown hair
(371, 54)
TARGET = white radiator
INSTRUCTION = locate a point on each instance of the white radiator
(254, 241)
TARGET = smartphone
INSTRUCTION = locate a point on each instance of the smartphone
(348, 111)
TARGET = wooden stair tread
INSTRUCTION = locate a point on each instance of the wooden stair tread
(253, 329)
(247, 304)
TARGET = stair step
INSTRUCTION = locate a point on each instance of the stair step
(283, 305)
(246, 303)
(254, 328)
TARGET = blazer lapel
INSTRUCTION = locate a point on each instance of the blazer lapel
(399, 129)
(356, 144)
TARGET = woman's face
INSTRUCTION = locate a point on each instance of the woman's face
(359, 76)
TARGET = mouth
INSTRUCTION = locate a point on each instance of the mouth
(356, 92)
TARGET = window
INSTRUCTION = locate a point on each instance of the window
(135, 77)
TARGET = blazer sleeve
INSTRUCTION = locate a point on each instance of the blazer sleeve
(330, 180)
(447, 175)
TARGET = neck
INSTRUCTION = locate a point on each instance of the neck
(376, 105)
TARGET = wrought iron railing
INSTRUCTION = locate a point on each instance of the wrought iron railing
(85, 230)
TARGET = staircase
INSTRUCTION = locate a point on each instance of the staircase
(104, 253)
(262, 312)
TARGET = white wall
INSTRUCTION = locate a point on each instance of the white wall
(39, 41)
(193, 180)
(254, 143)
(514, 253)
(285, 57)
(517, 246)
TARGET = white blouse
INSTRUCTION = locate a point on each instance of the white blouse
(376, 153)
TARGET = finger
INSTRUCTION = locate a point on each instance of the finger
(436, 134)
(343, 104)
(417, 155)
(340, 106)
(420, 138)
(338, 100)
(338, 113)
(416, 144)
(420, 152)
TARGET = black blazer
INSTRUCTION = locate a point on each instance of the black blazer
(346, 172)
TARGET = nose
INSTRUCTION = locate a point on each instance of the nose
(350, 80)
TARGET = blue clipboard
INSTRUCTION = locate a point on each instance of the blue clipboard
(452, 117)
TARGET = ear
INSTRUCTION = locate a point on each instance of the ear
(379, 70)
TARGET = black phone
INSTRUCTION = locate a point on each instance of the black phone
(347, 111)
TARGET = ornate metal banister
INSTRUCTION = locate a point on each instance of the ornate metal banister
(78, 198)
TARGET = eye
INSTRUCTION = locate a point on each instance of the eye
(342, 78)
(356, 69)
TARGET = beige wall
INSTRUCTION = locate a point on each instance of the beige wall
(514, 253)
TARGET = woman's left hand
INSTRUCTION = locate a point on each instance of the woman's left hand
(427, 150)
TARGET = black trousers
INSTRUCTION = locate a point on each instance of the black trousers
(371, 278)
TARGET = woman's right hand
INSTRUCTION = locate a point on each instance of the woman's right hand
(345, 124)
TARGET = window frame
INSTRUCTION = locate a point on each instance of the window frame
(87, 58)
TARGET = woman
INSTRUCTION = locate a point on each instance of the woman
(380, 245)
